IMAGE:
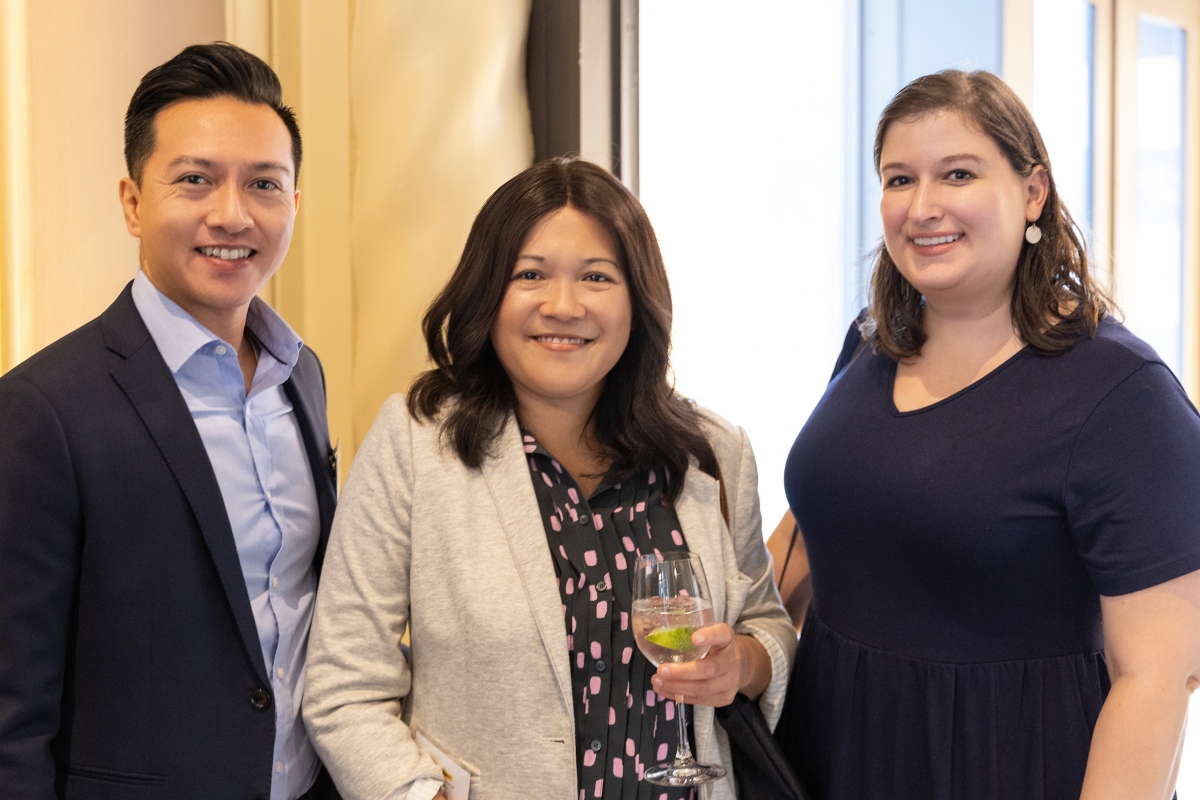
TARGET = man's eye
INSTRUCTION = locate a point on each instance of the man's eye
(265, 184)
(195, 180)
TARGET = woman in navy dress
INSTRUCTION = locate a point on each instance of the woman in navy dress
(999, 496)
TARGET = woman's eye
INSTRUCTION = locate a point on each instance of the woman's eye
(899, 180)
(596, 277)
(960, 175)
(527, 275)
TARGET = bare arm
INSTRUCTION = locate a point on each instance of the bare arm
(1152, 647)
(796, 586)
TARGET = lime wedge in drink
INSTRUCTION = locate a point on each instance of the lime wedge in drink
(678, 638)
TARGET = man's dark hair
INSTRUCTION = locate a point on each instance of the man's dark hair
(639, 420)
(199, 72)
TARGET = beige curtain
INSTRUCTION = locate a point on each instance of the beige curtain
(439, 119)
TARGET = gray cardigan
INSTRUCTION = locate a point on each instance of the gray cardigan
(460, 556)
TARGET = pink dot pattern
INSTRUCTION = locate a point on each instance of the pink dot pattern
(622, 727)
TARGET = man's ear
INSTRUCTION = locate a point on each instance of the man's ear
(131, 203)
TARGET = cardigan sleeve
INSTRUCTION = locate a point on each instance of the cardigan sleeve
(357, 675)
(763, 615)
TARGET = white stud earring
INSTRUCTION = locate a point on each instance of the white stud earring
(1033, 234)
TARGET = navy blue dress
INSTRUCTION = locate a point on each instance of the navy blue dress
(953, 648)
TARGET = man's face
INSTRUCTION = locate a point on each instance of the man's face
(216, 207)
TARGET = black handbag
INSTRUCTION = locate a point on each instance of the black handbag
(761, 770)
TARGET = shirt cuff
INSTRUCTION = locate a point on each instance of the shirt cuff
(424, 789)
(771, 702)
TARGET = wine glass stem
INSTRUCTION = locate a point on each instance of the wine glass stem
(684, 753)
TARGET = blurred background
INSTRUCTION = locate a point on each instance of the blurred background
(745, 128)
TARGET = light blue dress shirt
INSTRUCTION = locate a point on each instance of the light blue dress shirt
(257, 452)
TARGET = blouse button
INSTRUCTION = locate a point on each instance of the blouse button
(596, 745)
(601, 587)
(584, 519)
(600, 665)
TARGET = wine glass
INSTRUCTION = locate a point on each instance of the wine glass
(670, 601)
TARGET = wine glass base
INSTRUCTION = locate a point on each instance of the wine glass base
(688, 773)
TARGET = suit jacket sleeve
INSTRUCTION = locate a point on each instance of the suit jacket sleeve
(40, 542)
(356, 674)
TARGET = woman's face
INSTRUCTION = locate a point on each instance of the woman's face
(566, 314)
(954, 210)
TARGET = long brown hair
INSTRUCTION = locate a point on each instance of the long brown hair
(639, 422)
(1054, 294)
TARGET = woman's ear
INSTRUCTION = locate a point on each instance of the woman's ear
(1037, 186)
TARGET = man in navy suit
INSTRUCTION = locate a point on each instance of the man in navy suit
(166, 480)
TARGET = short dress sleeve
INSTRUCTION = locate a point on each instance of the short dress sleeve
(1132, 491)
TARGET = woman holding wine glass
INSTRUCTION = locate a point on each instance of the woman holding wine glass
(498, 512)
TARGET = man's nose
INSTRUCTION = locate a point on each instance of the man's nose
(229, 210)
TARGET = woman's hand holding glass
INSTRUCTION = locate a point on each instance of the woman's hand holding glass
(734, 663)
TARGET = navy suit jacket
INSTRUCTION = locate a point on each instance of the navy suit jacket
(130, 664)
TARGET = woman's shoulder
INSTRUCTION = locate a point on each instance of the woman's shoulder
(395, 421)
(726, 438)
(1104, 360)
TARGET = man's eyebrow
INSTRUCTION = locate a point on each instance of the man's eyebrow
(259, 166)
(266, 166)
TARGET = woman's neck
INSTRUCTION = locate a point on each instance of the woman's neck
(969, 331)
(962, 345)
(564, 429)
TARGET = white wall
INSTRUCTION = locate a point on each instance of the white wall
(742, 174)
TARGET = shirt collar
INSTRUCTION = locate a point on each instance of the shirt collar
(178, 335)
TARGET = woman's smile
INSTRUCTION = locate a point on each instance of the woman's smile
(935, 244)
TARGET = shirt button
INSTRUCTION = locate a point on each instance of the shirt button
(275, 583)
(221, 350)
(596, 745)
(281, 673)
(279, 766)
(600, 665)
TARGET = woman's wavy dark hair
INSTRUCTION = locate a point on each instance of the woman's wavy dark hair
(1054, 295)
(639, 421)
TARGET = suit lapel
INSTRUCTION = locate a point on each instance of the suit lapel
(508, 481)
(305, 390)
(151, 389)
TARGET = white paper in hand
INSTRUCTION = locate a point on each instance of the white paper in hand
(458, 780)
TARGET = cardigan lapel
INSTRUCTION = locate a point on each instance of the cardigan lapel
(508, 481)
(151, 389)
(698, 509)
(699, 512)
